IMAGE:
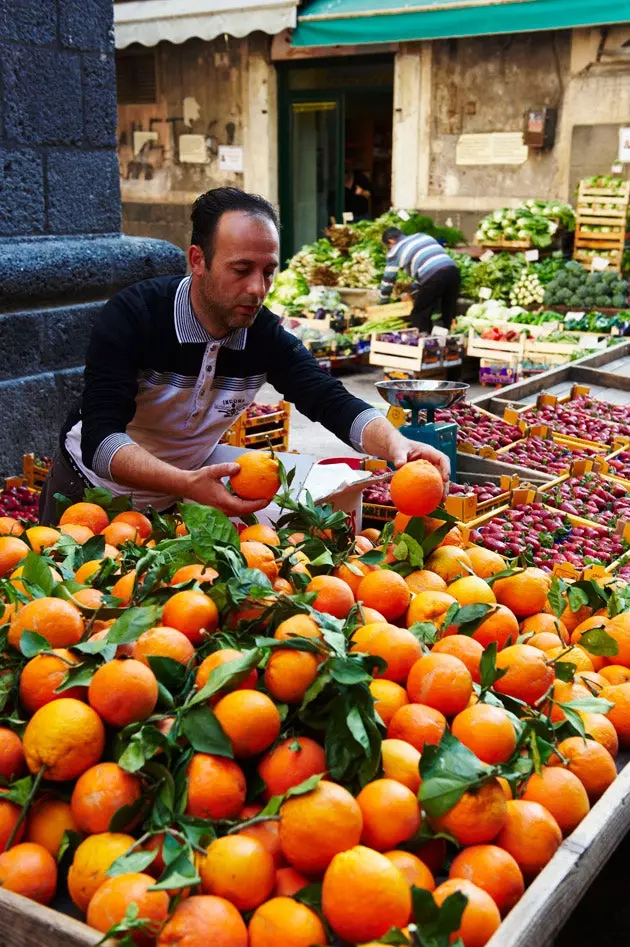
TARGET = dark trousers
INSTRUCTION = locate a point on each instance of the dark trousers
(439, 292)
(61, 479)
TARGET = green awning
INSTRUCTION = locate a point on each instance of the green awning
(350, 22)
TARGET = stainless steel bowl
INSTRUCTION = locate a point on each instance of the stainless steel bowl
(420, 395)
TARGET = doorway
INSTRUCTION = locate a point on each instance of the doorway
(335, 128)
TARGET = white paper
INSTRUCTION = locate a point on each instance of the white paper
(486, 256)
(347, 217)
(325, 479)
(404, 215)
(440, 331)
(624, 145)
(192, 149)
(485, 293)
(231, 158)
(531, 255)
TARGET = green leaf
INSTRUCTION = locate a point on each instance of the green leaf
(132, 623)
(414, 552)
(374, 557)
(348, 671)
(207, 527)
(181, 873)
(140, 747)
(94, 548)
(451, 913)
(589, 705)
(290, 644)
(31, 644)
(598, 641)
(425, 910)
(70, 841)
(425, 631)
(488, 670)
(576, 598)
(132, 861)
(205, 734)
(233, 672)
(311, 896)
(170, 673)
(307, 785)
(99, 495)
(574, 719)
(565, 671)
(19, 791)
(248, 584)
(468, 618)
(555, 596)
(79, 675)
(448, 771)
(126, 815)
(394, 937)
(36, 573)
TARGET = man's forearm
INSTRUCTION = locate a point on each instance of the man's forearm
(133, 466)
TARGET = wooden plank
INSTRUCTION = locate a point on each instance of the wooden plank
(24, 923)
(548, 902)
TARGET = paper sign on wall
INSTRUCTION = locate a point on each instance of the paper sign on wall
(624, 145)
(231, 158)
(491, 148)
(192, 149)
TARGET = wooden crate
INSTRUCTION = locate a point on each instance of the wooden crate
(509, 352)
(269, 429)
(601, 207)
(34, 474)
(503, 244)
(409, 358)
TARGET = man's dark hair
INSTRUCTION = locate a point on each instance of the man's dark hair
(210, 207)
(392, 233)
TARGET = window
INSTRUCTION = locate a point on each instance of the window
(135, 78)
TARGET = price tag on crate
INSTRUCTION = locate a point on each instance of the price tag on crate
(404, 215)
(486, 256)
(439, 331)
(485, 293)
(532, 255)
(599, 263)
(396, 416)
(347, 217)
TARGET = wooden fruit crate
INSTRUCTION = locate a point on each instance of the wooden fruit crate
(509, 352)
(601, 207)
(268, 429)
(411, 358)
(34, 474)
(503, 244)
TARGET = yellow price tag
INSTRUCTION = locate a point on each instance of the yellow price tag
(396, 416)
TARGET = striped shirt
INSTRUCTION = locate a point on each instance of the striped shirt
(419, 255)
(155, 377)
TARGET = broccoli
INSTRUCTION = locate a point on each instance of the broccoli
(618, 301)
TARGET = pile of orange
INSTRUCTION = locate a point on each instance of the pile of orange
(219, 761)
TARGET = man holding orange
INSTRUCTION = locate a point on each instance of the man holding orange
(172, 361)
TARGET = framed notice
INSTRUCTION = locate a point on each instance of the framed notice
(192, 149)
(491, 148)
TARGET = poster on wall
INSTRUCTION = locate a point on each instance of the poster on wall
(624, 145)
(231, 158)
(192, 149)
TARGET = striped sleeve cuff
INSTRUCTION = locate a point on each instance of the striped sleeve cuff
(105, 451)
(359, 424)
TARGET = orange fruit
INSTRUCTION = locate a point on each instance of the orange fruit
(481, 916)
(195, 572)
(589, 761)
(478, 816)
(123, 587)
(216, 787)
(391, 814)
(48, 821)
(619, 715)
(528, 675)
(287, 922)
(283, 586)
(544, 622)
(259, 556)
(422, 580)
(386, 591)
(118, 533)
(10, 526)
(289, 674)
(493, 870)
(289, 763)
(329, 814)
(12, 551)
(401, 762)
(238, 869)
(9, 816)
(372, 534)
(619, 629)
(616, 673)
(261, 533)
(350, 576)
(575, 655)
(429, 606)
(525, 593)
(111, 901)
(65, 737)
(466, 649)
(89, 598)
(500, 626)
(80, 533)
(334, 596)
(530, 834)
(267, 833)
(43, 674)
(250, 720)
(485, 563)
(194, 917)
(192, 613)
(412, 868)
(289, 882)
(29, 870)
(298, 626)
(85, 514)
(91, 860)
(123, 692)
(417, 724)
(471, 590)
(601, 730)
(440, 681)
(388, 698)
(545, 641)
(258, 478)
(487, 731)
(364, 895)
(449, 562)
(417, 488)
(41, 537)
(397, 646)
(99, 793)
(161, 642)
(217, 659)
(563, 692)
(12, 762)
(85, 572)
(137, 520)
(58, 621)
(561, 793)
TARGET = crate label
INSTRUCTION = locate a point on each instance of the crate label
(486, 256)
(532, 255)
(396, 416)
(404, 215)
(485, 293)
(599, 263)
(347, 217)
(439, 331)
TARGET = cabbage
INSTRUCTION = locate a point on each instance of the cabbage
(287, 286)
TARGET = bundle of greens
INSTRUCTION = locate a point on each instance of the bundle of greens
(536, 221)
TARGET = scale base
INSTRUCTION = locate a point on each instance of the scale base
(439, 434)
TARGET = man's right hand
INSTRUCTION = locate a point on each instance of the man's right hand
(205, 486)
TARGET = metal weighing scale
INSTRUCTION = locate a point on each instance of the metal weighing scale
(418, 395)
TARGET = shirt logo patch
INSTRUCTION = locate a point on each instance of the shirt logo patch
(231, 407)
